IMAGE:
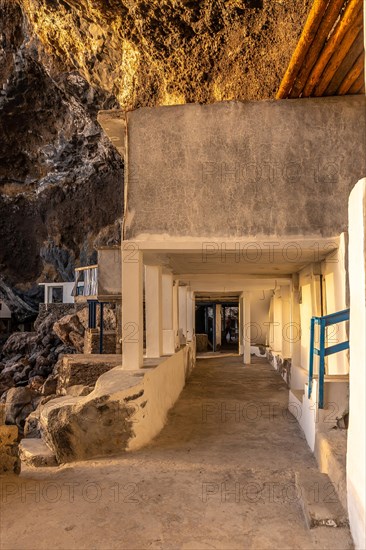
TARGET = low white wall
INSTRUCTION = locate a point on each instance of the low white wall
(299, 377)
(67, 289)
(124, 412)
(68, 298)
(309, 415)
(162, 387)
(304, 410)
(356, 456)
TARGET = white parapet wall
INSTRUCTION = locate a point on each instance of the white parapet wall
(66, 292)
(162, 387)
(356, 456)
(124, 412)
(308, 418)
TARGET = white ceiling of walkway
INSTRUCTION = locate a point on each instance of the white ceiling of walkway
(253, 259)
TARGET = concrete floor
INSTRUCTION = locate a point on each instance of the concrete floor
(220, 475)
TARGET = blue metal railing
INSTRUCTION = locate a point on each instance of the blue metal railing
(323, 352)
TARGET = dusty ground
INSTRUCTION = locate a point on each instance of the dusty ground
(220, 475)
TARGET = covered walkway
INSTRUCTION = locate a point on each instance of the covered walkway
(220, 475)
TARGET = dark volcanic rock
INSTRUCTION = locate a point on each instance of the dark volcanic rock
(28, 358)
(19, 342)
(31, 373)
(22, 305)
(20, 402)
(49, 386)
(164, 52)
(6, 382)
(57, 169)
(61, 61)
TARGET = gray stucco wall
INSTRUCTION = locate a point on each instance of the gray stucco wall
(244, 169)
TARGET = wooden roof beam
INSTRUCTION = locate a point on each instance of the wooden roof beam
(353, 75)
(358, 85)
(348, 19)
(307, 36)
(346, 66)
(338, 56)
(330, 17)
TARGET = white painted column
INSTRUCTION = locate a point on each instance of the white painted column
(46, 294)
(295, 321)
(218, 324)
(356, 448)
(276, 335)
(298, 375)
(167, 298)
(190, 314)
(182, 314)
(246, 339)
(315, 289)
(241, 325)
(153, 310)
(176, 314)
(286, 321)
(132, 308)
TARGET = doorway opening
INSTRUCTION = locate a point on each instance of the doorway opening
(217, 326)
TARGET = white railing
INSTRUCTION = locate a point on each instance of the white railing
(86, 281)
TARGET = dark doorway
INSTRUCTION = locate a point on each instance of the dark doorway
(57, 295)
(226, 335)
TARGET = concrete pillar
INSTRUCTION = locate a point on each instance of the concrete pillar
(167, 298)
(153, 310)
(315, 289)
(132, 309)
(356, 448)
(286, 328)
(182, 314)
(190, 315)
(241, 325)
(276, 343)
(218, 325)
(46, 294)
(295, 344)
(298, 375)
(246, 333)
(176, 314)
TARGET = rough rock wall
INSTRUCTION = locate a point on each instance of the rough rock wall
(148, 52)
(63, 60)
(57, 170)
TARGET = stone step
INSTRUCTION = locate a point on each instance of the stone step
(35, 452)
(298, 394)
(319, 500)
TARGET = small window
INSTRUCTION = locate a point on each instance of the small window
(57, 295)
